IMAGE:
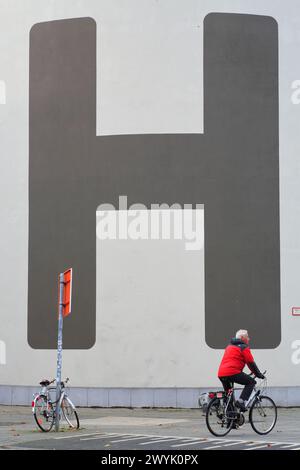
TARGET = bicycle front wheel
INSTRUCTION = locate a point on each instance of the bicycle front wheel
(43, 413)
(70, 413)
(219, 421)
(263, 415)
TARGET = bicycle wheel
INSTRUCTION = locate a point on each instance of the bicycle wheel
(43, 413)
(70, 413)
(219, 421)
(263, 415)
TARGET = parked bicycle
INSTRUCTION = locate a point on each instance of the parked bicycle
(222, 415)
(44, 408)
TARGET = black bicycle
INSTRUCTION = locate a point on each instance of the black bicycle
(222, 415)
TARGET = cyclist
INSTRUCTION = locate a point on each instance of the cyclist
(237, 354)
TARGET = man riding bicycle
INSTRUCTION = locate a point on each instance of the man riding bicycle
(238, 354)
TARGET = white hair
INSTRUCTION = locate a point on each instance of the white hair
(241, 333)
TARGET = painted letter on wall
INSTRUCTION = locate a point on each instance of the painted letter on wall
(233, 169)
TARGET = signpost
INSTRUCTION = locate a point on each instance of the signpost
(64, 309)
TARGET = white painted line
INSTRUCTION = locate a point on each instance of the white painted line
(98, 437)
(290, 445)
(145, 435)
(129, 439)
(218, 441)
(266, 444)
(194, 441)
(91, 434)
(94, 438)
(76, 435)
(19, 448)
(170, 439)
(237, 443)
(210, 448)
(277, 442)
(158, 440)
(273, 444)
(102, 436)
(258, 447)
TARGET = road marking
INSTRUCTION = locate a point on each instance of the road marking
(258, 447)
(183, 441)
(290, 445)
(12, 447)
(218, 443)
(159, 440)
(77, 435)
(92, 434)
(237, 443)
(212, 447)
(194, 441)
(103, 436)
(267, 444)
(128, 439)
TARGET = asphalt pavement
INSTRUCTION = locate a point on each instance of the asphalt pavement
(143, 429)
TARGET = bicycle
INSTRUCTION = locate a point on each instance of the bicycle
(222, 415)
(44, 409)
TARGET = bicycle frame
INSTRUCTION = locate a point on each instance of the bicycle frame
(255, 393)
(230, 397)
(63, 395)
(45, 391)
(230, 394)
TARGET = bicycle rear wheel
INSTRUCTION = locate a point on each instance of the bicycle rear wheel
(219, 421)
(263, 415)
(70, 413)
(43, 413)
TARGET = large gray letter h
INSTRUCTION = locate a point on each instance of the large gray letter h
(232, 169)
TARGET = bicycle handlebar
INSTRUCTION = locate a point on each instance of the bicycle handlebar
(252, 373)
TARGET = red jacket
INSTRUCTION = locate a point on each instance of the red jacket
(235, 357)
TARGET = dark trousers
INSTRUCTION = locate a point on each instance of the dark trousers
(242, 379)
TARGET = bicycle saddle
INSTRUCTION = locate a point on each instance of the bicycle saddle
(45, 383)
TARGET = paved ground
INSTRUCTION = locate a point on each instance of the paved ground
(149, 429)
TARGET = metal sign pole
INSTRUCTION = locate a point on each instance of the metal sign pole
(59, 350)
